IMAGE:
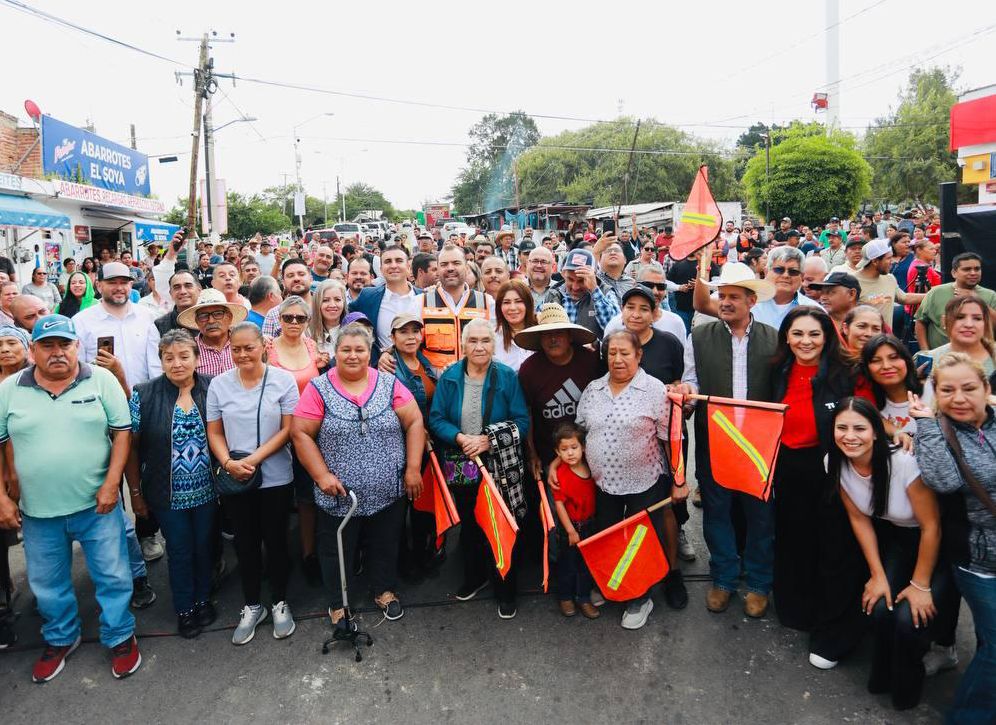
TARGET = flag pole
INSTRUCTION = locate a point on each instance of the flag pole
(732, 401)
(659, 505)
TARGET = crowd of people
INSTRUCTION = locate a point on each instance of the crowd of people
(260, 379)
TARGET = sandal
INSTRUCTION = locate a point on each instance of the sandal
(390, 605)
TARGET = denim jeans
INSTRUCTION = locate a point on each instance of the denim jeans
(574, 581)
(975, 699)
(720, 537)
(48, 551)
(135, 559)
(189, 535)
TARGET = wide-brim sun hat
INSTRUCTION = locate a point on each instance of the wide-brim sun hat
(206, 300)
(736, 274)
(552, 318)
(504, 233)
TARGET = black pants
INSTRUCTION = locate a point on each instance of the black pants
(259, 519)
(478, 561)
(417, 539)
(819, 570)
(611, 509)
(379, 532)
(897, 660)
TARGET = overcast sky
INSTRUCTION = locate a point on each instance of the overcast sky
(715, 65)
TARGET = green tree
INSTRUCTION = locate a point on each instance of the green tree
(812, 178)
(248, 214)
(488, 180)
(908, 148)
(178, 214)
(360, 197)
(589, 166)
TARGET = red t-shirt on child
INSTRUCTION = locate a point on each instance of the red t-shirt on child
(576, 493)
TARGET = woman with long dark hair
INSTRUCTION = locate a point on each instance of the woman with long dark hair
(79, 295)
(513, 314)
(896, 521)
(818, 568)
(888, 366)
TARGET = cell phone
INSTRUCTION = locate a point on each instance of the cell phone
(106, 343)
(922, 358)
(608, 226)
(178, 243)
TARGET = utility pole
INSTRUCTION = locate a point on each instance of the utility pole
(833, 62)
(209, 183)
(342, 198)
(200, 75)
(134, 143)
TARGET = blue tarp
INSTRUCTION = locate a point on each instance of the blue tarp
(23, 211)
(151, 231)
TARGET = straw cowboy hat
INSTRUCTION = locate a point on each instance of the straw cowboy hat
(735, 274)
(504, 233)
(550, 319)
(210, 299)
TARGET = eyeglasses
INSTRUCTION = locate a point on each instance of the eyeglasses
(785, 270)
(294, 319)
(211, 315)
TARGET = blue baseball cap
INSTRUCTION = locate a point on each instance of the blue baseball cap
(54, 326)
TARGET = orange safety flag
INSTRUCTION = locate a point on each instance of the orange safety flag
(546, 519)
(436, 498)
(744, 436)
(625, 560)
(700, 219)
(496, 522)
(676, 452)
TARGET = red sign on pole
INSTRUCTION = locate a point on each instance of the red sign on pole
(81, 233)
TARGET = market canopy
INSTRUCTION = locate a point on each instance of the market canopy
(23, 211)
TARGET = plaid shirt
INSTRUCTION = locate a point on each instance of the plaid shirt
(606, 307)
(511, 257)
(213, 361)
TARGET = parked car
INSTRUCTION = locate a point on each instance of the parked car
(326, 236)
(349, 231)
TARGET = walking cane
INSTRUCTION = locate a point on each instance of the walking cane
(346, 629)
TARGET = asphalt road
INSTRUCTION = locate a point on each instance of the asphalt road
(457, 662)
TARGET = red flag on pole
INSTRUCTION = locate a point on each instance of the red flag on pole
(436, 499)
(625, 560)
(744, 436)
(546, 518)
(675, 449)
(700, 219)
(496, 522)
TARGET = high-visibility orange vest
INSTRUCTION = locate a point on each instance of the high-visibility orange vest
(443, 328)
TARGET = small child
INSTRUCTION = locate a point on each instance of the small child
(575, 504)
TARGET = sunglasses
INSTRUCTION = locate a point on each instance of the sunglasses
(294, 319)
(786, 270)
(660, 286)
(650, 249)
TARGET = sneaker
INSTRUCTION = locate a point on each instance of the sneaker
(675, 593)
(637, 612)
(821, 662)
(52, 661)
(507, 610)
(125, 658)
(312, 570)
(187, 626)
(939, 658)
(248, 621)
(283, 621)
(686, 552)
(697, 498)
(142, 594)
(152, 548)
(205, 614)
(596, 597)
(466, 592)
(390, 605)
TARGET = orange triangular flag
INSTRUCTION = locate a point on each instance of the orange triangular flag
(675, 449)
(744, 436)
(700, 219)
(436, 498)
(546, 519)
(496, 522)
(625, 560)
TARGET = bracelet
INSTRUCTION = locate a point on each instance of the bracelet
(925, 590)
(224, 466)
(135, 491)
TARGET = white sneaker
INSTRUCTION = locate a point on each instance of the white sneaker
(939, 658)
(283, 621)
(686, 552)
(821, 662)
(248, 621)
(152, 548)
(596, 597)
(637, 613)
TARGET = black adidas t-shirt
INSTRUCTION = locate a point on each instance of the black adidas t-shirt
(552, 393)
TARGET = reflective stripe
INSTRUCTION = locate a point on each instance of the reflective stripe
(742, 443)
(704, 220)
(627, 558)
(500, 562)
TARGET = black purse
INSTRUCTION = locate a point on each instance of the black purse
(227, 485)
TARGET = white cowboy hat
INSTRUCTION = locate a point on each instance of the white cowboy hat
(735, 274)
(551, 318)
(205, 300)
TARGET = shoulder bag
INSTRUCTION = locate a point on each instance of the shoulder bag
(966, 473)
(226, 484)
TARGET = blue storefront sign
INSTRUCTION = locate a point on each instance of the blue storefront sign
(77, 155)
(162, 232)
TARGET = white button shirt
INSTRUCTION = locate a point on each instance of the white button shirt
(390, 307)
(739, 348)
(136, 339)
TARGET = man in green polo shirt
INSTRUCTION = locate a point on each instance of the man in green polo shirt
(966, 268)
(69, 425)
